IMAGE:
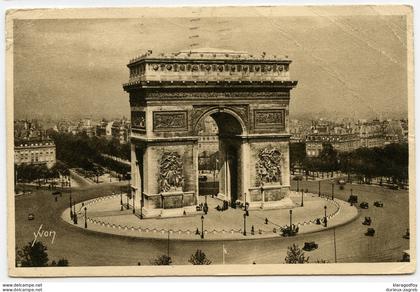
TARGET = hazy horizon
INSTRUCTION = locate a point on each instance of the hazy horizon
(349, 66)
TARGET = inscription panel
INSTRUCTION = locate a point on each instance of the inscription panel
(170, 121)
(269, 119)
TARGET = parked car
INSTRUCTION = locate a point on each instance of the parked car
(298, 177)
(393, 187)
(31, 216)
(352, 199)
(378, 204)
(311, 245)
(370, 232)
(364, 205)
(367, 221)
(341, 181)
(202, 178)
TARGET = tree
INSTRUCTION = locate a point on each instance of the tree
(199, 258)
(33, 255)
(297, 154)
(295, 255)
(162, 260)
(63, 263)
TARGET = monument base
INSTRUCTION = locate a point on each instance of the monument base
(272, 196)
(285, 203)
(169, 213)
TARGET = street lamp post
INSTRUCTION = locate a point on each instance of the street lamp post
(244, 224)
(301, 203)
(85, 217)
(74, 208)
(134, 209)
(319, 188)
(169, 232)
(297, 187)
(141, 205)
(74, 213)
(290, 213)
(121, 202)
(325, 216)
(128, 206)
(202, 227)
(332, 191)
(71, 208)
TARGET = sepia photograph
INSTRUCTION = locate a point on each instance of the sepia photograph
(210, 141)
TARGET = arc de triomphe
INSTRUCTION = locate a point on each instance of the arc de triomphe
(248, 97)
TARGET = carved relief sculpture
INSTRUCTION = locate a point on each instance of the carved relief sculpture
(138, 119)
(170, 172)
(268, 166)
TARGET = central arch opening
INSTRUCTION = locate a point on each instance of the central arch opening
(220, 156)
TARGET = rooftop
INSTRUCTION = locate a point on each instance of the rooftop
(208, 53)
(209, 65)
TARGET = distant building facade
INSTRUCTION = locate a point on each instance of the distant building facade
(208, 144)
(86, 126)
(372, 134)
(120, 130)
(342, 138)
(35, 152)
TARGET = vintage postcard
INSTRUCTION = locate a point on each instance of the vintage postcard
(210, 141)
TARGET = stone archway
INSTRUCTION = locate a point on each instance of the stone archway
(248, 97)
(231, 129)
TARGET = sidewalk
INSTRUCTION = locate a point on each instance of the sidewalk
(104, 215)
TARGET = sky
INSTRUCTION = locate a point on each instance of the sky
(347, 66)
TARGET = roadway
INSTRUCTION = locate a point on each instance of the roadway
(87, 248)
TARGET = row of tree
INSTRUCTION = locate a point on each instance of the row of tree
(82, 151)
(390, 161)
(36, 255)
(295, 255)
(40, 172)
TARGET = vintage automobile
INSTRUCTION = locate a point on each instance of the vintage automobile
(311, 245)
(298, 177)
(31, 216)
(289, 230)
(202, 178)
(370, 232)
(364, 205)
(378, 204)
(341, 181)
(367, 221)
(352, 199)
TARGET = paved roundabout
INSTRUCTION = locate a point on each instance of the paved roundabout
(104, 214)
(86, 247)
